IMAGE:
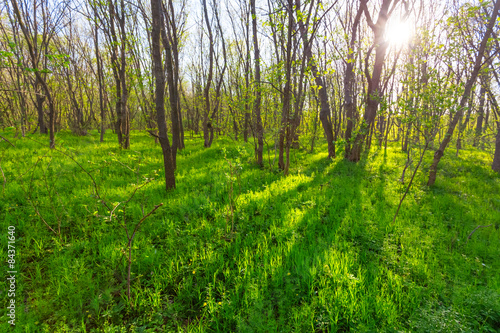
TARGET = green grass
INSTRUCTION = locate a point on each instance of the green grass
(312, 252)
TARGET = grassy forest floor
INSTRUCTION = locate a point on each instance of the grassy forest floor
(314, 251)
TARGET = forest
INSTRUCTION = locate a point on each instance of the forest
(250, 165)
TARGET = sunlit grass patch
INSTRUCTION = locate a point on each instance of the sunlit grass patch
(314, 251)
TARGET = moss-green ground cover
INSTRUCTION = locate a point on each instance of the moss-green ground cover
(312, 252)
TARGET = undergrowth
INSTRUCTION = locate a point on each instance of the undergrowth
(312, 252)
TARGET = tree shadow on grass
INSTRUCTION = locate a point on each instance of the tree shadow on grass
(320, 256)
(314, 251)
(275, 270)
(315, 259)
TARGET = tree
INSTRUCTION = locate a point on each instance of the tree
(15, 64)
(480, 111)
(159, 75)
(285, 129)
(349, 80)
(324, 114)
(496, 158)
(496, 109)
(374, 91)
(259, 130)
(170, 43)
(466, 95)
(117, 42)
(100, 76)
(37, 52)
(207, 122)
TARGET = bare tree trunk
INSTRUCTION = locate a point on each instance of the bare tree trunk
(325, 113)
(480, 111)
(22, 104)
(315, 124)
(246, 124)
(496, 159)
(171, 43)
(496, 112)
(285, 121)
(349, 82)
(118, 64)
(218, 87)
(259, 131)
(39, 108)
(172, 90)
(159, 75)
(123, 78)
(207, 122)
(99, 78)
(463, 125)
(116, 73)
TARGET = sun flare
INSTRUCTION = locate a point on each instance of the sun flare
(399, 33)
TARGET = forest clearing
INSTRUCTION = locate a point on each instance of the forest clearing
(250, 166)
(315, 251)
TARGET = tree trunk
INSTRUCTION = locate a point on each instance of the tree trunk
(247, 79)
(173, 93)
(496, 159)
(40, 98)
(349, 83)
(100, 80)
(159, 76)
(325, 113)
(207, 122)
(215, 114)
(480, 112)
(116, 73)
(285, 115)
(39, 107)
(259, 130)
(462, 126)
(123, 78)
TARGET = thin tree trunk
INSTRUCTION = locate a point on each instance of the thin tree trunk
(173, 93)
(259, 131)
(480, 112)
(325, 113)
(207, 122)
(159, 76)
(215, 113)
(100, 80)
(349, 83)
(116, 73)
(246, 124)
(496, 158)
(40, 98)
(285, 121)
(463, 125)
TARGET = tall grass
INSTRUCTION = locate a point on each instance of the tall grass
(312, 252)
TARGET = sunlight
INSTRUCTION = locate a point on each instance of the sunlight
(399, 33)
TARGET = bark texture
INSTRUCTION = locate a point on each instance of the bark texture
(159, 76)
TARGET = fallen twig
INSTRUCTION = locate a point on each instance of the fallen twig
(473, 231)
(10, 143)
